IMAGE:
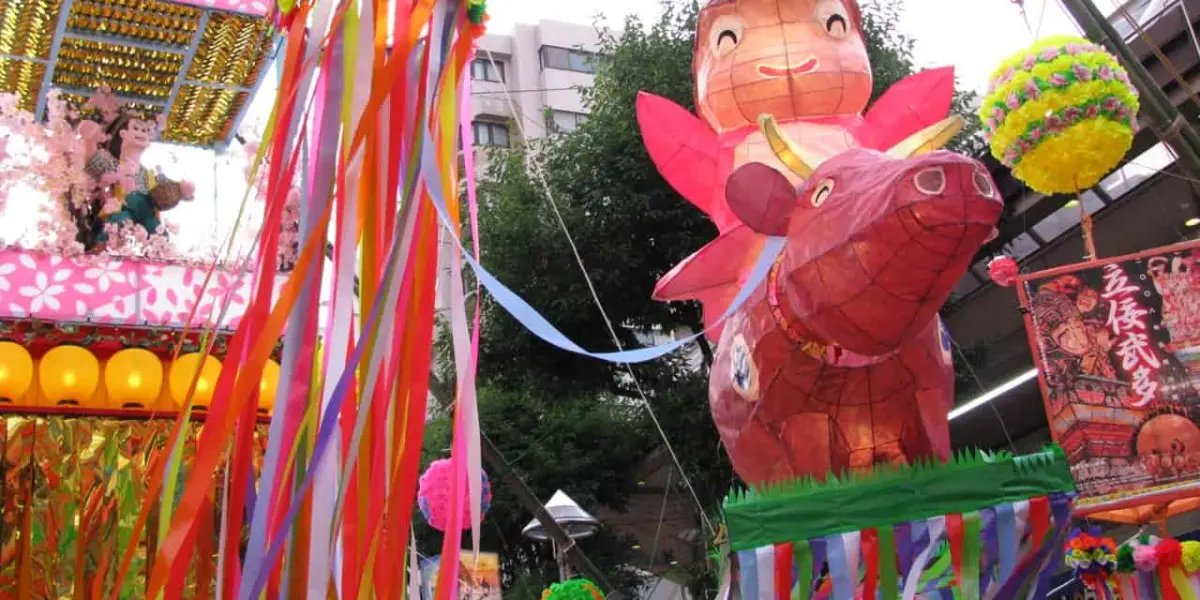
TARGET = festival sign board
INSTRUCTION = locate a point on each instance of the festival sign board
(1117, 346)
(478, 576)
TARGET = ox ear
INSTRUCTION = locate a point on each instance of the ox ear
(761, 197)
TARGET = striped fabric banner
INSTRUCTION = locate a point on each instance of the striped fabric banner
(967, 556)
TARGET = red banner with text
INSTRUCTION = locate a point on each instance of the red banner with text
(1117, 345)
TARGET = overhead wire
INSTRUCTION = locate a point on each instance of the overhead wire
(540, 175)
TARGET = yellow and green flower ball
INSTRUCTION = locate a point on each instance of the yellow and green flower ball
(1060, 114)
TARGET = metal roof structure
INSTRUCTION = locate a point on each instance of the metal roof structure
(197, 62)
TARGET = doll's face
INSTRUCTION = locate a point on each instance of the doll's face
(138, 135)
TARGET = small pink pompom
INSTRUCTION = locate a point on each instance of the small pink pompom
(433, 495)
(1003, 270)
(1145, 557)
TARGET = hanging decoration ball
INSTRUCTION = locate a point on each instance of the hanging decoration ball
(477, 11)
(183, 371)
(1191, 556)
(1093, 559)
(573, 589)
(133, 378)
(16, 372)
(433, 495)
(1060, 114)
(1003, 270)
(69, 376)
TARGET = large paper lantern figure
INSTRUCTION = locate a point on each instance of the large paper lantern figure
(433, 495)
(133, 378)
(1061, 114)
(839, 361)
(68, 376)
(184, 370)
(16, 372)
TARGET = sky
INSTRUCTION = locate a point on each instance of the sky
(973, 35)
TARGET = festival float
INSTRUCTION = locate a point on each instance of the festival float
(161, 439)
(109, 331)
(831, 383)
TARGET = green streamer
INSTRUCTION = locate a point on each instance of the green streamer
(972, 550)
(889, 580)
(803, 557)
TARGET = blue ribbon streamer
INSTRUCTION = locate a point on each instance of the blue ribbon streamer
(748, 573)
(1006, 538)
(988, 532)
(839, 567)
(532, 320)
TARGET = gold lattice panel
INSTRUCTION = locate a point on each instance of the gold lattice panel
(196, 61)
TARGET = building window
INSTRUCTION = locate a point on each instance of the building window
(563, 121)
(483, 69)
(488, 133)
(564, 59)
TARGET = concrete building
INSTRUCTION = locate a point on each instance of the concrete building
(528, 81)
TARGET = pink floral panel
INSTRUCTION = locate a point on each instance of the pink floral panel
(254, 8)
(120, 291)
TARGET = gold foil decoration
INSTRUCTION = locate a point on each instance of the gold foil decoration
(24, 77)
(129, 71)
(27, 27)
(203, 115)
(80, 483)
(231, 50)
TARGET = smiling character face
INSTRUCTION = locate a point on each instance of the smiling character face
(788, 58)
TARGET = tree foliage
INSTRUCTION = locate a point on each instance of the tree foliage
(569, 421)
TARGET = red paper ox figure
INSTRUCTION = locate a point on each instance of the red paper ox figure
(838, 361)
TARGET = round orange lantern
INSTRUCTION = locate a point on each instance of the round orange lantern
(16, 372)
(182, 373)
(267, 387)
(133, 378)
(69, 376)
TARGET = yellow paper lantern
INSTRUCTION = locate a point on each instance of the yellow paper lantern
(267, 387)
(69, 376)
(182, 373)
(133, 378)
(16, 372)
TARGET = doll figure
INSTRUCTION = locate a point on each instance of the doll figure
(139, 194)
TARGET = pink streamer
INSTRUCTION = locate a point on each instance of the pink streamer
(466, 415)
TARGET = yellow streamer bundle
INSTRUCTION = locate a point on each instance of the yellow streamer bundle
(1060, 114)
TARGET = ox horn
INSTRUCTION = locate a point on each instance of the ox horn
(929, 139)
(802, 161)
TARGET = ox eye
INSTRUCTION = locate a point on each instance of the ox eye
(821, 193)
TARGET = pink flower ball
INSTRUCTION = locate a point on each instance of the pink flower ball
(433, 495)
(1145, 557)
(1003, 270)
